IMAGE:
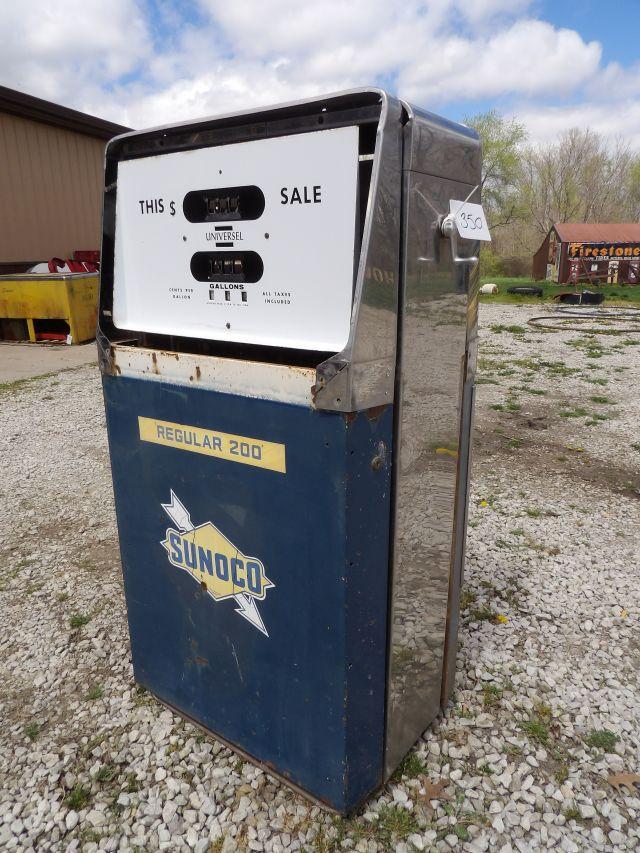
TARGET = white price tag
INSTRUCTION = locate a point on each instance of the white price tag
(470, 220)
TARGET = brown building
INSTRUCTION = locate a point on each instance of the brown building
(593, 253)
(51, 179)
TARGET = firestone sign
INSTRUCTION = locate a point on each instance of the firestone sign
(602, 252)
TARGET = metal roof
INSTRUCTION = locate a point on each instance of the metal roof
(21, 104)
(598, 232)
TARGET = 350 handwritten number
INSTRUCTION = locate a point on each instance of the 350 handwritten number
(470, 222)
(243, 448)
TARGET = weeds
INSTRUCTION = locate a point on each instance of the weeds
(576, 412)
(572, 813)
(411, 767)
(483, 614)
(467, 599)
(20, 384)
(95, 692)
(498, 328)
(491, 695)
(394, 821)
(77, 798)
(132, 784)
(106, 773)
(392, 825)
(78, 620)
(602, 739)
(32, 730)
(536, 729)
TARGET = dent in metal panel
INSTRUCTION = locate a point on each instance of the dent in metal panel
(362, 375)
(433, 359)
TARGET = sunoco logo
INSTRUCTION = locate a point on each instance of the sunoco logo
(215, 562)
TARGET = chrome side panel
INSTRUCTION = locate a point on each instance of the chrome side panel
(438, 316)
(436, 146)
(362, 375)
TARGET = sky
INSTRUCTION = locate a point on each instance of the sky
(553, 64)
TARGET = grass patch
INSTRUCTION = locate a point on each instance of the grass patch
(498, 328)
(32, 730)
(515, 442)
(20, 384)
(603, 401)
(410, 766)
(467, 599)
(394, 821)
(491, 695)
(602, 739)
(538, 392)
(614, 294)
(94, 693)
(532, 512)
(461, 831)
(107, 773)
(77, 798)
(576, 412)
(90, 836)
(483, 614)
(536, 729)
(394, 824)
(132, 785)
(572, 813)
(78, 620)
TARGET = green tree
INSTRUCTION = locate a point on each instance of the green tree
(633, 191)
(581, 177)
(502, 141)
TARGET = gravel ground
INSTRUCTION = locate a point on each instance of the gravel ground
(547, 705)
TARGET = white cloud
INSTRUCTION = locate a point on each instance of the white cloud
(114, 60)
(546, 123)
(530, 58)
(61, 50)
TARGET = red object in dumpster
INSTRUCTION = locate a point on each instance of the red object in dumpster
(90, 255)
(51, 336)
(72, 265)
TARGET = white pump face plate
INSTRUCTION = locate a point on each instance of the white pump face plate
(300, 248)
